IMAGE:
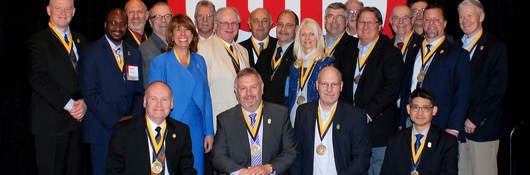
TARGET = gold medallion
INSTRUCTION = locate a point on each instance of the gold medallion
(421, 76)
(357, 79)
(300, 100)
(415, 172)
(255, 149)
(156, 167)
(321, 149)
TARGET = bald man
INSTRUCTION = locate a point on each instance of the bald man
(260, 23)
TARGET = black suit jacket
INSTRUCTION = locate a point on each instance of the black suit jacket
(53, 81)
(441, 157)
(129, 38)
(274, 90)
(343, 49)
(250, 48)
(378, 88)
(351, 142)
(231, 149)
(414, 42)
(129, 148)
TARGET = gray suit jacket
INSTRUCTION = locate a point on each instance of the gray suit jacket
(231, 150)
(149, 49)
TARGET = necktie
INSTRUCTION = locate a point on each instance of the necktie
(418, 142)
(255, 159)
(161, 154)
(260, 47)
(400, 45)
(72, 53)
(252, 119)
(428, 48)
(118, 53)
(66, 39)
(232, 49)
(157, 137)
(278, 53)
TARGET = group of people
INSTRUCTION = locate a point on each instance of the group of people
(189, 99)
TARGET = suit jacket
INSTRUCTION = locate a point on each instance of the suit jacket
(439, 158)
(250, 49)
(414, 43)
(343, 49)
(378, 88)
(351, 141)
(129, 38)
(129, 148)
(274, 90)
(149, 49)
(221, 73)
(107, 91)
(449, 77)
(489, 66)
(231, 150)
(53, 81)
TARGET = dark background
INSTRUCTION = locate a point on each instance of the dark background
(503, 19)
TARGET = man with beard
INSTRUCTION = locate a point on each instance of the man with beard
(253, 137)
(353, 7)
(137, 16)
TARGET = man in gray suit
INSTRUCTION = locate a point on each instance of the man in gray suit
(253, 137)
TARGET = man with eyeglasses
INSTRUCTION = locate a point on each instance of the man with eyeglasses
(442, 67)
(353, 7)
(372, 79)
(405, 37)
(423, 148)
(260, 22)
(137, 16)
(338, 43)
(417, 7)
(159, 20)
(204, 14)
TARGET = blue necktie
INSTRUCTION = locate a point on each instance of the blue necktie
(255, 159)
(418, 142)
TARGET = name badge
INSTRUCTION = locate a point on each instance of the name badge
(132, 72)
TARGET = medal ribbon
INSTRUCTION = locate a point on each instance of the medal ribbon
(120, 63)
(68, 45)
(305, 74)
(155, 144)
(256, 48)
(178, 59)
(328, 52)
(474, 42)
(323, 129)
(363, 60)
(274, 62)
(253, 130)
(407, 40)
(416, 155)
(426, 57)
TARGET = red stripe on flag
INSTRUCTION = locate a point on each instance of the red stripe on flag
(311, 9)
(178, 6)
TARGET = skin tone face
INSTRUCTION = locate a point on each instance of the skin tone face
(421, 112)
(158, 102)
(137, 15)
(368, 27)
(160, 18)
(401, 21)
(308, 39)
(286, 28)
(434, 24)
(205, 20)
(116, 25)
(353, 10)
(260, 23)
(182, 37)
(227, 25)
(248, 91)
(335, 22)
(61, 13)
(470, 19)
(417, 11)
(329, 86)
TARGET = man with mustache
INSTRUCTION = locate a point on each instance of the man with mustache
(137, 16)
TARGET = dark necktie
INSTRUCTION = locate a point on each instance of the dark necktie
(278, 53)
(400, 45)
(72, 53)
(157, 137)
(260, 47)
(428, 47)
(418, 142)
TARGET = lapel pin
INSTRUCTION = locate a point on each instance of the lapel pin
(129, 53)
(482, 47)
(442, 51)
(175, 136)
(414, 45)
(429, 145)
(338, 126)
(78, 41)
(269, 121)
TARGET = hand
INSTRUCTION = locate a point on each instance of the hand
(208, 144)
(259, 170)
(469, 126)
(79, 109)
(452, 132)
(125, 118)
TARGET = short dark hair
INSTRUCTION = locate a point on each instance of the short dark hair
(422, 93)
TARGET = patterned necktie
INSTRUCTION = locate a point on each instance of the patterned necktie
(73, 58)
(278, 53)
(118, 53)
(400, 45)
(252, 119)
(260, 47)
(418, 142)
(157, 137)
(255, 159)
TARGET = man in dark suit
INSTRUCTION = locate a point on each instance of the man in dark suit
(57, 106)
(260, 22)
(253, 137)
(110, 74)
(274, 63)
(338, 42)
(372, 81)
(343, 145)
(137, 16)
(423, 148)
(485, 116)
(152, 143)
(443, 68)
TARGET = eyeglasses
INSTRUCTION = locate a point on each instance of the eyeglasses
(353, 12)
(159, 17)
(228, 24)
(206, 16)
(418, 11)
(338, 17)
(403, 18)
(415, 108)
(368, 22)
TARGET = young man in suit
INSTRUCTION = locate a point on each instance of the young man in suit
(423, 148)
(57, 106)
(152, 142)
(110, 74)
(253, 137)
(259, 22)
(332, 136)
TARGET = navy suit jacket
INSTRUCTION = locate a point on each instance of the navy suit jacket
(489, 66)
(250, 48)
(441, 157)
(351, 141)
(108, 93)
(129, 148)
(274, 81)
(449, 77)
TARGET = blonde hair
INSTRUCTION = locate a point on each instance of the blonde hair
(299, 51)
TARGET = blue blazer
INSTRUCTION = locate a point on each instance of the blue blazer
(351, 141)
(449, 77)
(108, 93)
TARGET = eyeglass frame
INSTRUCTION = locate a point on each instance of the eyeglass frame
(415, 108)
(159, 17)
